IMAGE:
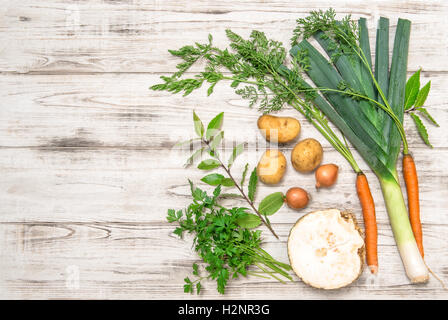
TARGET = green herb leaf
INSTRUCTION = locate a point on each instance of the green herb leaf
(249, 221)
(230, 195)
(252, 184)
(188, 286)
(421, 129)
(195, 269)
(237, 150)
(217, 191)
(209, 164)
(222, 280)
(190, 142)
(178, 231)
(172, 217)
(198, 126)
(243, 178)
(198, 287)
(425, 113)
(213, 179)
(210, 89)
(227, 182)
(195, 154)
(214, 126)
(422, 95)
(216, 141)
(412, 88)
(271, 204)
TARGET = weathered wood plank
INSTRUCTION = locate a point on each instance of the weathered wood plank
(94, 185)
(118, 110)
(86, 162)
(133, 36)
(119, 260)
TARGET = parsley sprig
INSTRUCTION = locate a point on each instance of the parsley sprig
(228, 249)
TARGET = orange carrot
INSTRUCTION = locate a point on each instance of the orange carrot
(411, 181)
(368, 211)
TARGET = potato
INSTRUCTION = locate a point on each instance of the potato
(278, 129)
(272, 167)
(306, 155)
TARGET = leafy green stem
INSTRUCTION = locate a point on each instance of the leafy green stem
(388, 109)
(240, 189)
(378, 104)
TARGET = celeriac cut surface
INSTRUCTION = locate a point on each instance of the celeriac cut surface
(325, 249)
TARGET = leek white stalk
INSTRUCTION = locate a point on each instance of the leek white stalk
(413, 262)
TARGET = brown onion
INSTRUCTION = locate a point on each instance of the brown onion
(297, 198)
(326, 175)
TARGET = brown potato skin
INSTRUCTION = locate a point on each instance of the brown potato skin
(271, 167)
(297, 198)
(279, 129)
(307, 155)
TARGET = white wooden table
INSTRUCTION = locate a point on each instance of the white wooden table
(87, 170)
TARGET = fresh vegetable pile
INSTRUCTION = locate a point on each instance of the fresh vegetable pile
(365, 101)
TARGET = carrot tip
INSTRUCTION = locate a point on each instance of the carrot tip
(373, 269)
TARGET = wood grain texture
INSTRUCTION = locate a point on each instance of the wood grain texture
(134, 36)
(88, 167)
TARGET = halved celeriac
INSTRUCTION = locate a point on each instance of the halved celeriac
(326, 249)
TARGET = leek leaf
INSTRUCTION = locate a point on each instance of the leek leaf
(382, 70)
(397, 85)
(366, 78)
(372, 155)
(350, 73)
(324, 75)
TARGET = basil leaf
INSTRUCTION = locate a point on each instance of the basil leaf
(412, 88)
(193, 156)
(198, 126)
(253, 184)
(209, 164)
(214, 126)
(422, 95)
(213, 179)
(216, 140)
(227, 182)
(217, 191)
(243, 178)
(427, 115)
(237, 150)
(230, 195)
(248, 221)
(271, 204)
(421, 129)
